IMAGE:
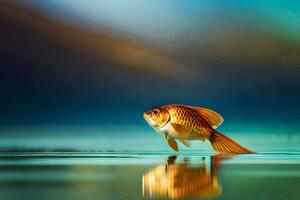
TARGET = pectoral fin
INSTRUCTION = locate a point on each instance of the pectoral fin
(181, 130)
(185, 142)
(172, 143)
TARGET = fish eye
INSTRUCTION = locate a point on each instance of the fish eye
(155, 112)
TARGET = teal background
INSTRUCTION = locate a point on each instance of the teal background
(76, 77)
(75, 72)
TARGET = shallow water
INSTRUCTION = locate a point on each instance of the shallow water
(132, 163)
(148, 175)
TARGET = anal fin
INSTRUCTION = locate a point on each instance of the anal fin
(185, 142)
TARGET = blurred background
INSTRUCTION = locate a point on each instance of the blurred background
(77, 75)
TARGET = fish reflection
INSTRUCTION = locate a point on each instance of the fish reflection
(177, 179)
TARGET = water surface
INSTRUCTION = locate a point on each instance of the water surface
(148, 175)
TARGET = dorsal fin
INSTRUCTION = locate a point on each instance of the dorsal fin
(213, 118)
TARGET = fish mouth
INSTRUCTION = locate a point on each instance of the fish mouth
(145, 116)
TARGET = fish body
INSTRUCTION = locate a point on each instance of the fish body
(191, 123)
(189, 118)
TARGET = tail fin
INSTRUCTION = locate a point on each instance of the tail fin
(224, 144)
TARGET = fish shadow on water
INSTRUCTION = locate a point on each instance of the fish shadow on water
(178, 178)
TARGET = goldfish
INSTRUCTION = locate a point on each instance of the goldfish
(184, 123)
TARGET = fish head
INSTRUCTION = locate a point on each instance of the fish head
(157, 117)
